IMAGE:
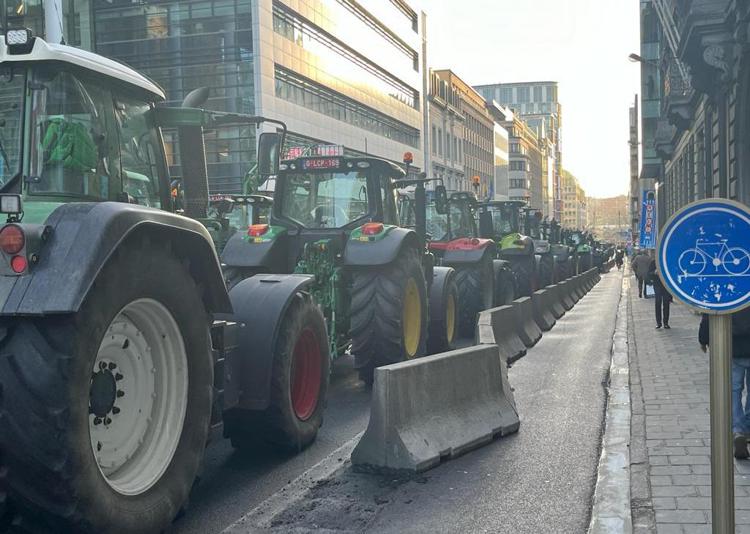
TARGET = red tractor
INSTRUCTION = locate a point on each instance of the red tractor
(483, 280)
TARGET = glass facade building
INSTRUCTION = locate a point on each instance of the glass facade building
(335, 71)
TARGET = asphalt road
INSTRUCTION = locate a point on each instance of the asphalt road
(539, 480)
(232, 483)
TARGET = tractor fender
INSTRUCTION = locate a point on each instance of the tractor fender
(260, 304)
(239, 252)
(381, 251)
(441, 277)
(466, 250)
(84, 236)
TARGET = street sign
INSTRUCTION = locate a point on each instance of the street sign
(704, 261)
(704, 256)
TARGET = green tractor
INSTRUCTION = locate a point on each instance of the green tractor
(483, 281)
(499, 220)
(533, 227)
(228, 214)
(121, 350)
(562, 252)
(336, 218)
(582, 250)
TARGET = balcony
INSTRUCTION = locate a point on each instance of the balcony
(680, 98)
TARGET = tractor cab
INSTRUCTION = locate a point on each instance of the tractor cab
(442, 225)
(229, 214)
(501, 220)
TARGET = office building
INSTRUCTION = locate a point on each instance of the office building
(335, 71)
(574, 213)
(446, 135)
(478, 143)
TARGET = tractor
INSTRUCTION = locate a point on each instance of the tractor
(582, 252)
(121, 349)
(335, 218)
(562, 253)
(228, 214)
(499, 220)
(533, 227)
(483, 281)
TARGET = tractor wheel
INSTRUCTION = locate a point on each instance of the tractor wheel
(547, 270)
(105, 413)
(523, 272)
(476, 293)
(443, 330)
(505, 290)
(388, 314)
(299, 382)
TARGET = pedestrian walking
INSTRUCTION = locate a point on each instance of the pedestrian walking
(640, 267)
(740, 376)
(619, 258)
(662, 297)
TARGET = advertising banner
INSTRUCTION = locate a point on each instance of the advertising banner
(648, 221)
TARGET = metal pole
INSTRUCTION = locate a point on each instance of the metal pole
(53, 22)
(722, 463)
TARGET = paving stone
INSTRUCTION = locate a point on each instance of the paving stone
(680, 516)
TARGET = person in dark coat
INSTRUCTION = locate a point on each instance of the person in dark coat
(662, 298)
(740, 376)
(640, 267)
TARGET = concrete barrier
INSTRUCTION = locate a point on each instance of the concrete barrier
(497, 326)
(581, 286)
(565, 294)
(556, 306)
(527, 329)
(576, 287)
(437, 407)
(541, 302)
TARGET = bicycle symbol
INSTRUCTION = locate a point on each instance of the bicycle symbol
(726, 261)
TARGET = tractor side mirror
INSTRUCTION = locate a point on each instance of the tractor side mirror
(441, 199)
(269, 152)
(486, 230)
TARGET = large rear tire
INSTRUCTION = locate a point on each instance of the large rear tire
(299, 384)
(476, 293)
(105, 413)
(388, 314)
(443, 330)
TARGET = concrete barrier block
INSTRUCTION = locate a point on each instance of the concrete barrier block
(437, 407)
(541, 302)
(556, 306)
(565, 294)
(526, 326)
(576, 287)
(497, 326)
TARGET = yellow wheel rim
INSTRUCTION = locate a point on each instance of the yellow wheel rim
(450, 318)
(412, 318)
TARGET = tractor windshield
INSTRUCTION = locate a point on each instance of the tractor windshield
(12, 84)
(437, 223)
(504, 220)
(324, 200)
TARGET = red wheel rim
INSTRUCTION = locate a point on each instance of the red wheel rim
(306, 373)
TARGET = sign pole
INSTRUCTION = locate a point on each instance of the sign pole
(722, 463)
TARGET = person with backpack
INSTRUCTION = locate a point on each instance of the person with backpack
(662, 298)
(740, 376)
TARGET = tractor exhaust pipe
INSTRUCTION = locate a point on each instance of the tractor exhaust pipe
(193, 160)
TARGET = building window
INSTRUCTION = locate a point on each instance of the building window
(434, 140)
(315, 97)
(447, 145)
(440, 142)
(506, 95)
(523, 95)
(318, 42)
(538, 94)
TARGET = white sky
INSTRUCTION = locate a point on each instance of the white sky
(582, 44)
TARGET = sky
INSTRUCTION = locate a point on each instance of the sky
(582, 44)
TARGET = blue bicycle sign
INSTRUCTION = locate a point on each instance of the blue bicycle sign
(704, 255)
(718, 257)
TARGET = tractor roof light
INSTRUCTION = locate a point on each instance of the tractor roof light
(10, 204)
(19, 41)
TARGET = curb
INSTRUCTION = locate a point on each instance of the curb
(611, 507)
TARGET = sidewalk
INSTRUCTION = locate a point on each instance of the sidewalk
(670, 432)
